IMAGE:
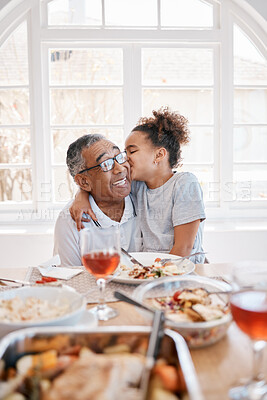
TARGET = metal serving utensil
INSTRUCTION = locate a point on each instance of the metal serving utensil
(123, 297)
(156, 336)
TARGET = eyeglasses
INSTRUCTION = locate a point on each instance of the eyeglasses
(108, 164)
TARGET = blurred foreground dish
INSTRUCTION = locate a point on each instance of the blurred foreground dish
(103, 364)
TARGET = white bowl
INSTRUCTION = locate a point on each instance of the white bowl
(65, 294)
(197, 334)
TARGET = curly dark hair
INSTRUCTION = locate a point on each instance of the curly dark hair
(166, 129)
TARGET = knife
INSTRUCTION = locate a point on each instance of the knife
(131, 258)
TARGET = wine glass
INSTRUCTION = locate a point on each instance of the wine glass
(249, 310)
(100, 251)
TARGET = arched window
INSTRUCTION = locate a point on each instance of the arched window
(73, 67)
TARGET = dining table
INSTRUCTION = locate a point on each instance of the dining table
(218, 366)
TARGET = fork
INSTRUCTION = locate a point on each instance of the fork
(23, 283)
(163, 261)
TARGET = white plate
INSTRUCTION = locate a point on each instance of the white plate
(146, 258)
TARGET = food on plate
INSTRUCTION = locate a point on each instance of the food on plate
(156, 270)
(30, 309)
(191, 305)
(82, 372)
(45, 279)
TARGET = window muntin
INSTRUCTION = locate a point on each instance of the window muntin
(131, 13)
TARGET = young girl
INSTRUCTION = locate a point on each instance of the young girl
(169, 205)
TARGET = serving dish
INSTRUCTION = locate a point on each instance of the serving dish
(73, 311)
(111, 340)
(196, 334)
(148, 258)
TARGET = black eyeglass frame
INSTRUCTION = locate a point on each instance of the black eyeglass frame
(112, 165)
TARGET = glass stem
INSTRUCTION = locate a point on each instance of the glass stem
(101, 283)
(258, 347)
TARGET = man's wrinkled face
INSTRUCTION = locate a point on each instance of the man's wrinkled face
(110, 185)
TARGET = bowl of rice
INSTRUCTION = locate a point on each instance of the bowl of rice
(39, 306)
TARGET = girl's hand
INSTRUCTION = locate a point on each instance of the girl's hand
(79, 206)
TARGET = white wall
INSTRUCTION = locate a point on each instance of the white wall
(223, 243)
(25, 249)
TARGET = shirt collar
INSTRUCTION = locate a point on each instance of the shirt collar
(105, 221)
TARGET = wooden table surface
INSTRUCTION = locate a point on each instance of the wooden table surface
(217, 366)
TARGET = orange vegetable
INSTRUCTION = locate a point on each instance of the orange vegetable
(169, 377)
(45, 360)
(157, 259)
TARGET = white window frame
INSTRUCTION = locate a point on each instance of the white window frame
(220, 38)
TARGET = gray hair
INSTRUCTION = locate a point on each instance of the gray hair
(74, 160)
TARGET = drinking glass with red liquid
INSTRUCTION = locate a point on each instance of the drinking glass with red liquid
(100, 251)
(249, 310)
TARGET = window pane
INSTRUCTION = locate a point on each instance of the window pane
(131, 12)
(250, 67)
(205, 176)
(250, 106)
(195, 105)
(250, 182)
(15, 146)
(14, 106)
(15, 184)
(177, 66)
(86, 106)
(86, 67)
(200, 147)
(250, 143)
(64, 185)
(62, 138)
(186, 13)
(14, 58)
(72, 12)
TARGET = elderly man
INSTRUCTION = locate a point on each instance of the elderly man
(98, 167)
